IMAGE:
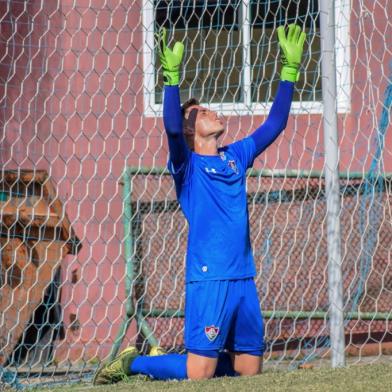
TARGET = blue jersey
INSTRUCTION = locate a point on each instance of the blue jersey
(212, 193)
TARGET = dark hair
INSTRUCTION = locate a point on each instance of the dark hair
(190, 102)
(189, 130)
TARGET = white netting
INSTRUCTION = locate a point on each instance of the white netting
(90, 229)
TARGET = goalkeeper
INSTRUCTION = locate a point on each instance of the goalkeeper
(224, 332)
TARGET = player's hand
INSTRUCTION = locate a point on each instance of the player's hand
(292, 47)
(170, 59)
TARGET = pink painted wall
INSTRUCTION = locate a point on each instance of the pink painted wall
(71, 92)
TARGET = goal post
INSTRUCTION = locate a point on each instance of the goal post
(330, 122)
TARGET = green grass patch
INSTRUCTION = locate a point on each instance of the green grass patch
(353, 378)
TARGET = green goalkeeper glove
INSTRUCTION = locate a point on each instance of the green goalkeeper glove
(170, 59)
(292, 47)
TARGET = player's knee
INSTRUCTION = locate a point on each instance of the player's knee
(251, 367)
(200, 367)
(200, 372)
(249, 371)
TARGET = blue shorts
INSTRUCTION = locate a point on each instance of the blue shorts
(223, 314)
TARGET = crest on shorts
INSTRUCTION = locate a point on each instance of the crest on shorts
(211, 332)
(233, 166)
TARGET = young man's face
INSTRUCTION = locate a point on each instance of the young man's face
(206, 122)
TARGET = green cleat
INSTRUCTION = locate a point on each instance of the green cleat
(156, 350)
(117, 369)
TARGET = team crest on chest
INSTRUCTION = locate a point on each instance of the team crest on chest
(211, 332)
(233, 166)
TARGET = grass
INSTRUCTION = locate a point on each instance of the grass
(365, 378)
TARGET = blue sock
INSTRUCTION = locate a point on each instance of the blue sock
(161, 367)
(173, 366)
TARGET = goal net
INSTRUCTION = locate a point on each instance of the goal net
(93, 241)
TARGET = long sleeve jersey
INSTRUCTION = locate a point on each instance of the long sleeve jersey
(211, 191)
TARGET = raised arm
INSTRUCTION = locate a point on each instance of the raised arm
(276, 121)
(172, 117)
(291, 49)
